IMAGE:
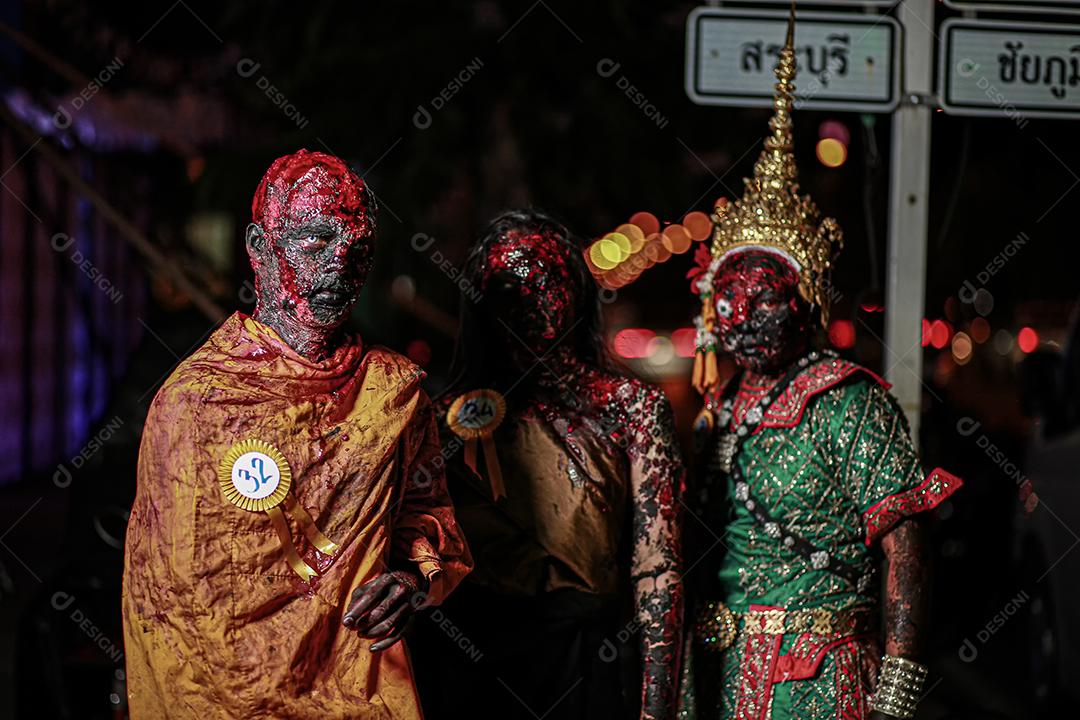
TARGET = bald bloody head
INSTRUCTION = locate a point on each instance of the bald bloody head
(307, 183)
(311, 242)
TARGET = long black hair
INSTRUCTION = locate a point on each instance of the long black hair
(477, 359)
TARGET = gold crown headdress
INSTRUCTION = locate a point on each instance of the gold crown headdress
(771, 216)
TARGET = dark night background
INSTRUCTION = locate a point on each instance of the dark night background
(175, 143)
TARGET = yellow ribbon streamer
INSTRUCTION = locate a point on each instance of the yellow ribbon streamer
(262, 484)
(491, 458)
(474, 417)
(301, 568)
(324, 544)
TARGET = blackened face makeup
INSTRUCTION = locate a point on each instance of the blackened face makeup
(529, 289)
(311, 244)
(762, 320)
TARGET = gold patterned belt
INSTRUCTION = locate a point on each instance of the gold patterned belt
(718, 625)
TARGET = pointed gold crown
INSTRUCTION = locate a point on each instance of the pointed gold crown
(771, 215)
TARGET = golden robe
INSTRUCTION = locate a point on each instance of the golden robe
(216, 623)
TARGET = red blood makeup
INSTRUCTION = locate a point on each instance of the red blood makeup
(529, 287)
(318, 222)
(761, 319)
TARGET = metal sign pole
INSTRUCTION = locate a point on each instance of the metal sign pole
(905, 284)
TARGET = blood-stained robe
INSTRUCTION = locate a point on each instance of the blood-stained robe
(216, 622)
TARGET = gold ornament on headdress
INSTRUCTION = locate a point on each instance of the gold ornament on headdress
(771, 216)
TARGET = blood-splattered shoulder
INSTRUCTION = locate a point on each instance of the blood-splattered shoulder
(633, 395)
(643, 408)
(787, 410)
(389, 372)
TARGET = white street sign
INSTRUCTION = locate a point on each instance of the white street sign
(853, 4)
(1010, 69)
(845, 61)
(1017, 6)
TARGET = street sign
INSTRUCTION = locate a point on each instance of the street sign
(1009, 69)
(853, 4)
(1017, 6)
(845, 61)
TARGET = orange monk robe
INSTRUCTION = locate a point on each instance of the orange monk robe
(216, 623)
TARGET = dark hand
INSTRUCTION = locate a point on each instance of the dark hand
(381, 607)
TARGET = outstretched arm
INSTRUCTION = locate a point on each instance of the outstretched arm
(656, 480)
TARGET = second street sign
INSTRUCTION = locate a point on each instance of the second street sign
(1010, 69)
(845, 61)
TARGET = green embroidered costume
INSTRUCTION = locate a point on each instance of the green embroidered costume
(831, 462)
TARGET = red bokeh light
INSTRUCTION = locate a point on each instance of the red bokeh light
(685, 341)
(632, 342)
(940, 334)
(842, 334)
(646, 221)
(1027, 339)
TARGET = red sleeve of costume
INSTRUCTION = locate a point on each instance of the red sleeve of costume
(426, 531)
(887, 512)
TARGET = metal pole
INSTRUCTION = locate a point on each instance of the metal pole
(905, 283)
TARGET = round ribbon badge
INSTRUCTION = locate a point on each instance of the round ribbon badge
(255, 476)
(474, 418)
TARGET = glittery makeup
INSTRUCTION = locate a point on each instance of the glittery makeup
(761, 319)
(528, 285)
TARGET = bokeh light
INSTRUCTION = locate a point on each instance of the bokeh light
(684, 340)
(660, 350)
(831, 152)
(1003, 342)
(842, 334)
(632, 342)
(698, 225)
(634, 234)
(961, 348)
(646, 221)
(677, 239)
(1027, 339)
(980, 330)
(835, 130)
(940, 332)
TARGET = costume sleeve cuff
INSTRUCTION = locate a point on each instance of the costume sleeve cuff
(429, 568)
(886, 513)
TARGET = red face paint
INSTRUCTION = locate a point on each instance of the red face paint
(761, 318)
(529, 287)
(318, 222)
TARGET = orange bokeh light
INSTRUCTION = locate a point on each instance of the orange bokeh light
(646, 221)
(677, 239)
(698, 225)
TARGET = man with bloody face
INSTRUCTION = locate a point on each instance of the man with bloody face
(566, 478)
(291, 512)
(808, 473)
